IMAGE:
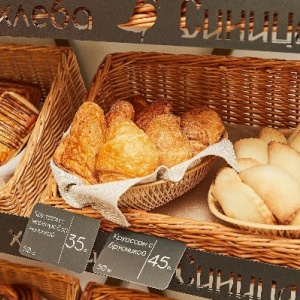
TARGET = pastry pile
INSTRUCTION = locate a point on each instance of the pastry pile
(133, 139)
(17, 119)
(266, 190)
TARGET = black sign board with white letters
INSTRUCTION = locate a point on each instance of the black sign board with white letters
(140, 258)
(59, 237)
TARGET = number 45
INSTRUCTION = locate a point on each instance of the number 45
(160, 262)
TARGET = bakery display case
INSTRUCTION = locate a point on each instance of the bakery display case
(221, 260)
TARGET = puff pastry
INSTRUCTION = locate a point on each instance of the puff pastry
(156, 108)
(120, 109)
(127, 153)
(173, 147)
(17, 120)
(202, 126)
(78, 150)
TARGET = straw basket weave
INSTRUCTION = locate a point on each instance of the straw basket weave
(53, 285)
(244, 91)
(56, 72)
(97, 291)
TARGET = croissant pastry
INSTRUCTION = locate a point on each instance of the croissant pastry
(173, 147)
(156, 108)
(120, 109)
(78, 150)
(127, 153)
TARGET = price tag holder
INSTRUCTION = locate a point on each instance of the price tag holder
(139, 258)
(59, 237)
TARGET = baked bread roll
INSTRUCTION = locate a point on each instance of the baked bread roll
(246, 163)
(278, 188)
(156, 108)
(172, 146)
(285, 157)
(293, 134)
(202, 126)
(239, 201)
(120, 109)
(17, 120)
(226, 174)
(268, 134)
(295, 141)
(127, 153)
(254, 148)
(77, 151)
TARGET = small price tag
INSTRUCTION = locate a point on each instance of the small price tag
(139, 258)
(59, 237)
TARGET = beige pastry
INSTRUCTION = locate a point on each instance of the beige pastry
(285, 157)
(296, 219)
(172, 146)
(127, 153)
(246, 163)
(239, 201)
(278, 188)
(77, 151)
(293, 134)
(252, 148)
(226, 174)
(269, 134)
(295, 142)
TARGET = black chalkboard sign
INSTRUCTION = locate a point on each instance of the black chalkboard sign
(139, 258)
(59, 237)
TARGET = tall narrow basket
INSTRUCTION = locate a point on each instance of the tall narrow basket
(55, 70)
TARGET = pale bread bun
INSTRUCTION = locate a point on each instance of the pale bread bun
(295, 142)
(239, 201)
(278, 188)
(252, 148)
(226, 174)
(268, 134)
(293, 134)
(296, 219)
(285, 157)
(246, 163)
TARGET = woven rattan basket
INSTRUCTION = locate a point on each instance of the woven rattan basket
(55, 70)
(244, 91)
(53, 285)
(97, 291)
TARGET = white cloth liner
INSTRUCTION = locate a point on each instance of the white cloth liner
(104, 197)
(8, 169)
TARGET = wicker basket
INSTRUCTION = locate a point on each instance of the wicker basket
(244, 91)
(56, 72)
(53, 285)
(97, 291)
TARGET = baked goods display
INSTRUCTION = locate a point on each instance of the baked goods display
(17, 119)
(132, 139)
(266, 188)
